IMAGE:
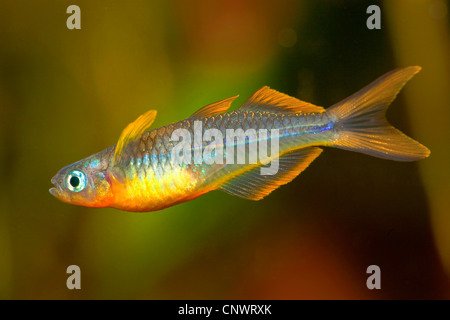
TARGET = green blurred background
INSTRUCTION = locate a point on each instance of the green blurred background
(66, 94)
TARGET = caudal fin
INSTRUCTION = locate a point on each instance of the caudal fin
(362, 125)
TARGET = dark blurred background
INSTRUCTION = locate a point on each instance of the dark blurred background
(66, 94)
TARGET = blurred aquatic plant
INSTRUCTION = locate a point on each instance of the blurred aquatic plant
(421, 35)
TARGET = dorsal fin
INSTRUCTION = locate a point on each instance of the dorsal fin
(266, 99)
(214, 108)
(254, 186)
(134, 131)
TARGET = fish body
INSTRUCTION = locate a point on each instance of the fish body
(144, 173)
(150, 180)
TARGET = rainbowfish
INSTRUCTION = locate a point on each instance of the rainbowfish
(140, 172)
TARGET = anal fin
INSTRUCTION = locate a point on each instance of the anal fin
(254, 186)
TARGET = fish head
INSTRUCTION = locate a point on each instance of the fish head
(84, 183)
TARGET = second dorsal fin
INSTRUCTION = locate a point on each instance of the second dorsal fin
(266, 99)
(134, 131)
(214, 108)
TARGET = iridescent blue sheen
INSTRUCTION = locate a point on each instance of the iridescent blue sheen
(146, 160)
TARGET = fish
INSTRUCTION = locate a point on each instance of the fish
(140, 174)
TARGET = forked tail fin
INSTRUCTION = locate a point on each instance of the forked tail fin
(362, 125)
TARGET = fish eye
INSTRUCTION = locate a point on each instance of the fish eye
(76, 181)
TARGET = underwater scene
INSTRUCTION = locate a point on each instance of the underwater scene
(114, 184)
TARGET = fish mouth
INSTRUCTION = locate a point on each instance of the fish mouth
(54, 192)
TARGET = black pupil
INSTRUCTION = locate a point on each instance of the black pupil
(74, 181)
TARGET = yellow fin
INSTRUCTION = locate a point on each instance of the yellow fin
(134, 131)
(266, 99)
(363, 125)
(254, 186)
(214, 108)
